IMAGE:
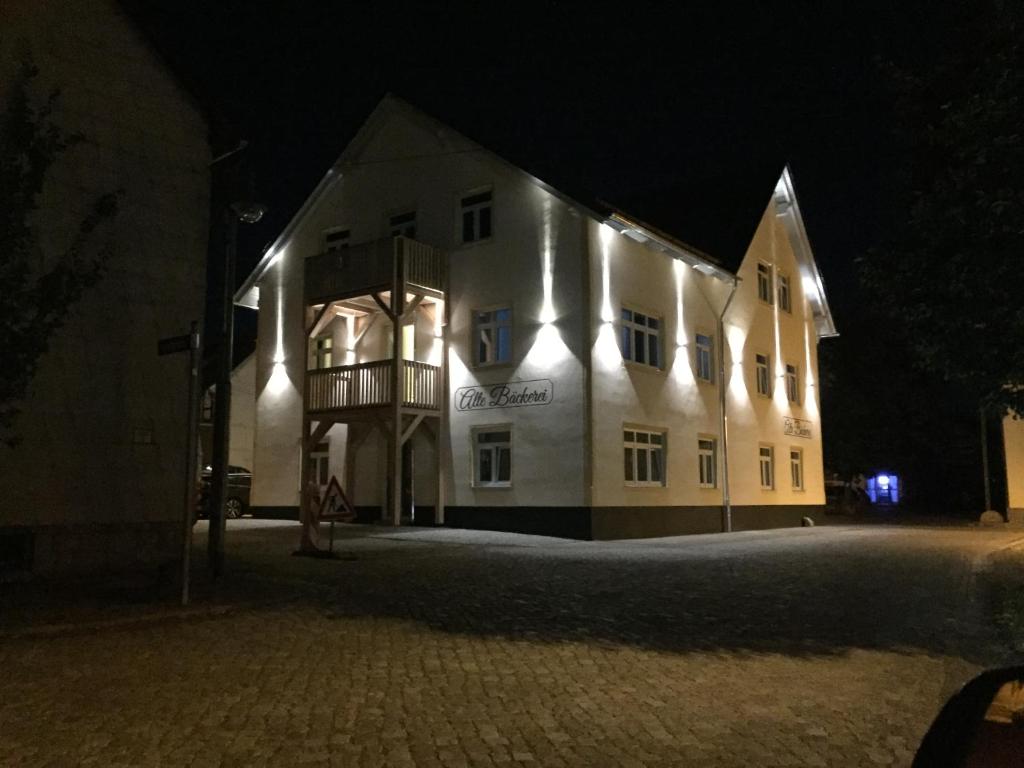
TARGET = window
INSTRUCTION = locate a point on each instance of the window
(493, 457)
(323, 352)
(785, 302)
(792, 384)
(492, 334)
(403, 224)
(764, 282)
(705, 356)
(641, 338)
(476, 217)
(320, 464)
(762, 367)
(706, 462)
(767, 456)
(796, 468)
(644, 457)
(335, 239)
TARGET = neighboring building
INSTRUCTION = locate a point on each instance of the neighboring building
(242, 420)
(562, 364)
(98, 481)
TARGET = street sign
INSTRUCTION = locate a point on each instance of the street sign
(335, 505)
(174, 344)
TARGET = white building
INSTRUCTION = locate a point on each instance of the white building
(564, 365)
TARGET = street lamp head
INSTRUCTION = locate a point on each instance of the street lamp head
(249, 213)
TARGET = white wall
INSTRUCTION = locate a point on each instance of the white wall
(531, 229)
(1013, 441)
(754, 327)
(624, 273)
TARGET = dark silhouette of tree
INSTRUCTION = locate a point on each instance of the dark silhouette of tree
(951, 279)
(37, 287)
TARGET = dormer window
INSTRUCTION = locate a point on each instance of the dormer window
(336, 239)
(476, 217)
(403, 224)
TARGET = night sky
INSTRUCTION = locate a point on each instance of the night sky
(622, 101)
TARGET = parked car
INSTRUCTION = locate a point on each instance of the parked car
(236, 502)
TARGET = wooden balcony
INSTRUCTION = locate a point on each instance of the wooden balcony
(369, 385)
(370, 267)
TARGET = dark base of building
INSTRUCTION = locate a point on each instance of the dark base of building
(601, 523)
(88, 548)
(589, 523)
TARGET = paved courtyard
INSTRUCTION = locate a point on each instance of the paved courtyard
(809, 647)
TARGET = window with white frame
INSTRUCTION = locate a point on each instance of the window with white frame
(641, 338)
(336, 239)
(323, 352)
(764, 282)
(644, 454)
(492, 336)
(792, 384)
(767, 461)
(320, 464)
(704, 357)
(796, 468)
(476, 217)
(707, 463)
(492, 457)
(762, 370)
(403, 224)
(785, 295)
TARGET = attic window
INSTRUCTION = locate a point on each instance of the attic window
(335, 239)
(764, 282)
(476, 217)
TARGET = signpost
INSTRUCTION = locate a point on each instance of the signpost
(191, 342)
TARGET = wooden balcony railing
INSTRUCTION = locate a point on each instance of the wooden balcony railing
(368, 385)
(369, 267)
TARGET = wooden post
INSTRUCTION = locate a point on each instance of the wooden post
(397, 381)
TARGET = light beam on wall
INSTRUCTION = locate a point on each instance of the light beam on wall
(605, 235)
(547, 310)
(737, 339)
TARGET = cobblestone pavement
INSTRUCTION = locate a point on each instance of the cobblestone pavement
(809, 647)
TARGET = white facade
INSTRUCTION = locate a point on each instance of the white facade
(557, 278)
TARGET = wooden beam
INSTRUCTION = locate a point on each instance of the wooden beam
(368, 326)
(412, 427)
(411, 306)
(383, 306)
(322, 428)
(323, 317)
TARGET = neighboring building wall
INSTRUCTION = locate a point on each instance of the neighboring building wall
(243, 413)
(99, 478)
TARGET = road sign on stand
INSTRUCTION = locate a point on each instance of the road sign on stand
(335, 507)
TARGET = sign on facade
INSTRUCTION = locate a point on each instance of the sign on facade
(796, 427)
(509, 394)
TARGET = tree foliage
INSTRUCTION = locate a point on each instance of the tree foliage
(38, 287)
(950, 280)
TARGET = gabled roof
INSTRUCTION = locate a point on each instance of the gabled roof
(707, 220)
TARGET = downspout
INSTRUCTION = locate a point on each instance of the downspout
(723, 420)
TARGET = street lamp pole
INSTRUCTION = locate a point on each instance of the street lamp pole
(248, 213)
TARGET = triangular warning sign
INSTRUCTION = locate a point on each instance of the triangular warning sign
(335, 505)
